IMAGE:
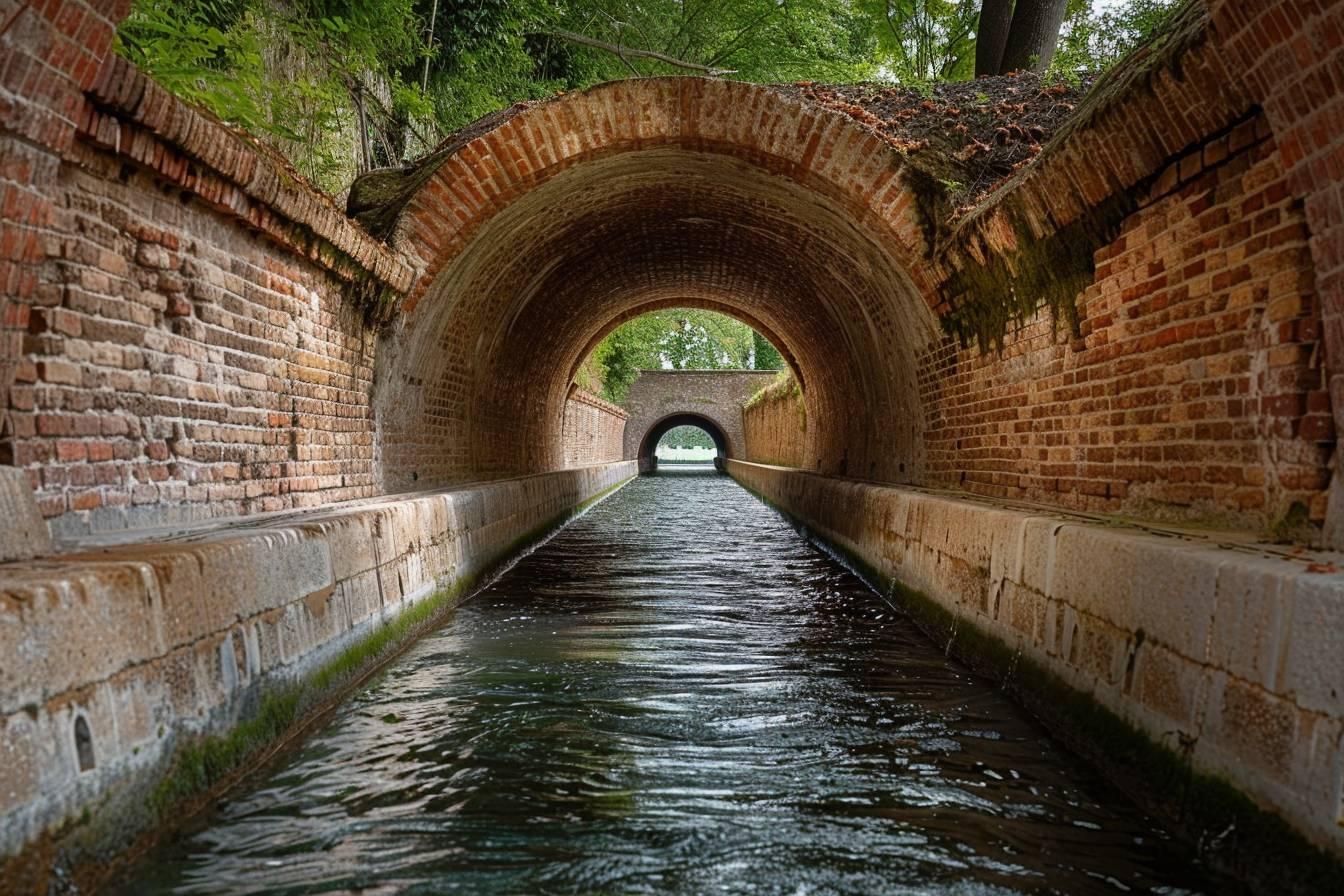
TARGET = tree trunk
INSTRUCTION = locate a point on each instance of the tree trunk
(996, 16)
(1033, 36)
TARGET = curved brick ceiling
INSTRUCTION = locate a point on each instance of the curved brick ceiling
(538, 237)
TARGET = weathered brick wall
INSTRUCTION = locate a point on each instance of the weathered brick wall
(177, 366)
(593, 429)
(189, 348)
(774, 425)
(1286, 54)
(1196, 386)
(49, 54)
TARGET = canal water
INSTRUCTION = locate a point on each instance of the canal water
(677, 694)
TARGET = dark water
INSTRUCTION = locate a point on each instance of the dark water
(676, 695)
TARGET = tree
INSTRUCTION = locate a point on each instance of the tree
(764, 356)
(1093, 40)
(342, 86)
(925, 40)
(686, 437)
(1033, 35)
(1018, 36)
(996, 18)
(674, 339)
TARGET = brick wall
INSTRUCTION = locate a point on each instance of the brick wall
(593, 429)
(1196, 387)
(49, 53)
(775, 426)
(183, 344)
(178, 367)
(1287, 54)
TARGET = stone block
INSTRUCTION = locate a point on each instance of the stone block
(1311, 664)
(1250, 616)
(23, 532)
(68, 624)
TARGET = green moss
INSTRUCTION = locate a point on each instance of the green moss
(1294, 526)
(1232, 834)
(784, 387)
(202, 763)
(1049, 272)
(1041, 272)
(781, 384)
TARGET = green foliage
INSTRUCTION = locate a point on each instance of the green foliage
(924, 40)
(675, 339)
(686, 437)
(764, 355)
(201, 51)
(1093, 40)
(323, 79)
(344, 86)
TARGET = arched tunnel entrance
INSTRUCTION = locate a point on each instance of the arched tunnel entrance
(648, 446)
(534, 241)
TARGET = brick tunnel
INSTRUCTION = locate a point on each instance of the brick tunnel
(789, 217)
(1087, 411)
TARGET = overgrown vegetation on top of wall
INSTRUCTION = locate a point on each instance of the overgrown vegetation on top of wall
(346, 86)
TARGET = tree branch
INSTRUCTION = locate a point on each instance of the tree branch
(623, 52)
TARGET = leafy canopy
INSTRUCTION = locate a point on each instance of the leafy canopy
(674, 339)
(342, 86)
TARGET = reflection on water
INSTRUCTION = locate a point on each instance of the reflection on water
(676, 695)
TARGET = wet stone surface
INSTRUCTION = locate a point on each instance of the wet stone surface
(677, 694)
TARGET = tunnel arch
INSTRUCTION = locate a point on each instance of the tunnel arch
(648, 444)
(560, 220)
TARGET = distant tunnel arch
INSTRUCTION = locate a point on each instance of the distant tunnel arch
(648, 445)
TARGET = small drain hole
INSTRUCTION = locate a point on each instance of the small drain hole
(84, 744)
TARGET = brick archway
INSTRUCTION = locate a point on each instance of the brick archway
(540, 234)
(648, 445)
(715, 397)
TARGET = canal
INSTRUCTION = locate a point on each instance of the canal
(676, 694)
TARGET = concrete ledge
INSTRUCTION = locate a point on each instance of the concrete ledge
(1229, 656)
(123, 665)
